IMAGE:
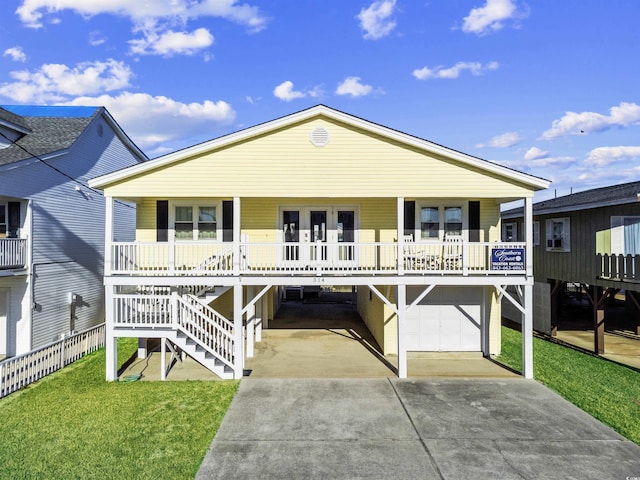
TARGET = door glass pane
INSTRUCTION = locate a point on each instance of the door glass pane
(318, 234)
(291, 233)
(429, 223)
(453, 221)
(319, 226)
(346, 233)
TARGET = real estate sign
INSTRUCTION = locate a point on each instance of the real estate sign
(507, 259)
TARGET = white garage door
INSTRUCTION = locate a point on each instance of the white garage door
(447, 320)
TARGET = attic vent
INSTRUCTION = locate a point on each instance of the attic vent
(319, 136)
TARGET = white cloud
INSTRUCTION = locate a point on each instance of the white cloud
(476, 68)
(96, 38)
(376, 19)
(285, 92)
(56, 82)
(505, 140)
(534, 153)
(573, 123)
(603, 156)
(352, 86)
(490, 17)
(169, 43)
(154, 121)
(31, 12)
(16, 54)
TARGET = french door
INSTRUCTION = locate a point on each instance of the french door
(314, 235)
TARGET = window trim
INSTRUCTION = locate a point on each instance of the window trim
(4, 231)
(565, 239)
(514, 226)
(195, 210)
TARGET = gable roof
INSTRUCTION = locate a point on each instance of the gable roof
(319, 111)
(597, 197)
(52, 129)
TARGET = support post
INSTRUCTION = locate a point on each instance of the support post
(527, 332)
(259, 319)
(111, 342)
(236, 235)
(401, 301)
(163, 358)
(400, 235)
(528, 236)
(553, 285)
(238, 354)
(251, 319)
(265, 310)
(598, 319)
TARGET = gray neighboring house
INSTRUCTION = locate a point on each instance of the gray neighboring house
(589, 239)
(51, 223)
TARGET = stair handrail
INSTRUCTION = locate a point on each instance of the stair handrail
(210, 330)
(216, 257)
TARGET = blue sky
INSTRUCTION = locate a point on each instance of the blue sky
(547, 87)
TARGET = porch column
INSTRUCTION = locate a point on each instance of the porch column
(598, 319)
(251, 318)
(527, 332)
(400, 235)
(163, 358)
(238, 333)
(265, 310)
(401, 302)
(111, 342)
(259, 317)
(108, 234)
(236, 236)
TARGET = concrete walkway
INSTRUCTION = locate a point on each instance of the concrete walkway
(412, 429)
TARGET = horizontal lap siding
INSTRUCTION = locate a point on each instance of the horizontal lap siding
(353, 164)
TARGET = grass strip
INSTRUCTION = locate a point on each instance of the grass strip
(606, 390)
(74, 424)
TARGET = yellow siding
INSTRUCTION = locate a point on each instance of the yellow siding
(285, 163)
(495, 322)
(260, 217)
(379, 318)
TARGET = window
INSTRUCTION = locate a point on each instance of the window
(558, 235)
(439, 223)
(452, 222)
(194, 222)
(430, 223)
(625, 235)
(509, 232)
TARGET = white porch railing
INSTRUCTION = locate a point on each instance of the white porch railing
(337, 259)
(13, 253)
(623, 268)
(18, 372)
(171, 311)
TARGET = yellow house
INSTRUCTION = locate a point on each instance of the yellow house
(316, 198)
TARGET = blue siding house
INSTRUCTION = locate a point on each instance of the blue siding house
(52, 223)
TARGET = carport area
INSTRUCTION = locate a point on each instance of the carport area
(412, 429)
(330, 340)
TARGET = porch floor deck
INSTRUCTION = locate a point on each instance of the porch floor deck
(326, 340)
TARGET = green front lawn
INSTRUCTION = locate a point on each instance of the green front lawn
(606, 390)
(74, 424)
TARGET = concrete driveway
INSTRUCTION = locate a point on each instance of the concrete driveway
(507, 428)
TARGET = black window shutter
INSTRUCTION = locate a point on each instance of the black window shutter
(227, 221)
(409, 218)
(474, 221)
(14, 219)
(162, 220)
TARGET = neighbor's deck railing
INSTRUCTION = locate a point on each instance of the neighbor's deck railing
(22, 370)
(375, 258)
(13, 253)
(623, 268)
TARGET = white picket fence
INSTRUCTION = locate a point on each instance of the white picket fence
(18, 372)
